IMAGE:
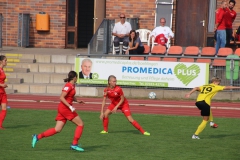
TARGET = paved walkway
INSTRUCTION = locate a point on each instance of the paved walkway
(52, 51)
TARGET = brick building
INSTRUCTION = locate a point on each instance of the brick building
(77, 20)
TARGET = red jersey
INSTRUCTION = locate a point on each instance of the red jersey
(161, 39)
(230, 17)
(70, 89)
(221, 19)
(2, 80)
(115, 95)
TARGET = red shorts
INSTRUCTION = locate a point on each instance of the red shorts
(64, 114)
(124, 108)
(3, 98)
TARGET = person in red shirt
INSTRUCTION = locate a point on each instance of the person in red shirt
(3, 85)
(220, 26)
(65, 112)
(118, 101)
(230, 17)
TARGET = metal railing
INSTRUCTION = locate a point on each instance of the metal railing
(101, 42)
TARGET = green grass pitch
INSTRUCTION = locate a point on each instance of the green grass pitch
(170, 138)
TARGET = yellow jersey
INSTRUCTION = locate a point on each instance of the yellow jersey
(207, 92)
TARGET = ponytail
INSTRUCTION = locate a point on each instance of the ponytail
(71, 75)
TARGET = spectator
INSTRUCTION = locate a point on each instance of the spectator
(162, 29)
(230, 17)
(121, 32)
(220, 26)
(135, 44)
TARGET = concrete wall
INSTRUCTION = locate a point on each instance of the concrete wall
(161, 94)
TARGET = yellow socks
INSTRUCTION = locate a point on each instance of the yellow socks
(201, 127)
(211, 116)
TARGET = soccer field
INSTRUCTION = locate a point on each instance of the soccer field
(170, 138)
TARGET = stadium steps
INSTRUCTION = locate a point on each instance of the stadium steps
(14, 80)
(14, 60)
(37, 73)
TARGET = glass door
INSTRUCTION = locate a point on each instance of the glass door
(71, 24)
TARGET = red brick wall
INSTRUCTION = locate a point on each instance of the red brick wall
(142, 9)
(55, 38)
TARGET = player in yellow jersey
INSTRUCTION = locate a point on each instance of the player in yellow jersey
(206, 93)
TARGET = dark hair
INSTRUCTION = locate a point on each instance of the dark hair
(136, 35)
(111, 76)
(71, 75)
(2, 57)
(232, 1)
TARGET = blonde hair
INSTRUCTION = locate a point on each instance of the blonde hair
(216, 79)
(111, 76)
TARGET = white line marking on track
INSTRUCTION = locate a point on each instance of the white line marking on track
(131, 104)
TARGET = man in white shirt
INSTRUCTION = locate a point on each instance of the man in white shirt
(162, 29)
(121, 32)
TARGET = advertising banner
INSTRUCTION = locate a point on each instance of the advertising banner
(142, 73)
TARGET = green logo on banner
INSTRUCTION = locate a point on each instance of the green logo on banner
(95, 76)
(186, 74)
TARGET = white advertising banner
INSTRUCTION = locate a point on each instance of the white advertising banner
(142, 73)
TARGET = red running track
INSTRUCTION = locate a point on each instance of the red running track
(146, 106)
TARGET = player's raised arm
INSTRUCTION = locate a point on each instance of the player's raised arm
(231, 87)
(193, 90)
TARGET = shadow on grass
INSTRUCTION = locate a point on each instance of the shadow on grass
(93, 148)
(86, 148)
(126, 131)
(18, 126)
(222, 135)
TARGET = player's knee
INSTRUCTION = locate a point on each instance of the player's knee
(58, 130)
(80, 123)
(130, 119)
(106, 114)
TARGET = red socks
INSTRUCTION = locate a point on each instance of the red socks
(77, 135)
(47, 133)
(137, 126)
(2, 117)
(105, 124)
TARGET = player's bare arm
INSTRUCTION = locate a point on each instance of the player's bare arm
(231, 87)
(193, 90)
(62, 98)
(78, 101)
(103, 104)
(119, 103)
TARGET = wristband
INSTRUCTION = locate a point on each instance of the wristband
(72, 108)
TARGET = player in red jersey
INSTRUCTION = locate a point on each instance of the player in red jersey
(118, 101)
(66, 112)
(3, 85)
